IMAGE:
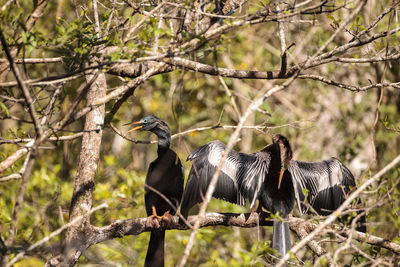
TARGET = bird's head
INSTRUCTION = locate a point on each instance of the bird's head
(150, 123)
(285, 154)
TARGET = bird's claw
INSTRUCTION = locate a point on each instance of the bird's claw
(153, 221)
(166, 220)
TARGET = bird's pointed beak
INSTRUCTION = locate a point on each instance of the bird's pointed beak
(280, 177)
(134, 123)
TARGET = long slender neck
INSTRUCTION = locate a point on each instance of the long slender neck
(286, 154)
(164, 140)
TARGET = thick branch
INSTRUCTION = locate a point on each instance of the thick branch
(137, 226)
(81, 202)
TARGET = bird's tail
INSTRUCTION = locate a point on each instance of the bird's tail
(281, 237)
(155, 250)
(361, 224)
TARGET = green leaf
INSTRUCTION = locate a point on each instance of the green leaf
(4, 109)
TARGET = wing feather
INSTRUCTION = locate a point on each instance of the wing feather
(205, 161)
(254, 170)
(242, 175)
(327, 183)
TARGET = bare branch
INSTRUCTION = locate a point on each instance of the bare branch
(349, 87)
(17, 175)
(54, 233)
(24, 89)
(232, 141)
(136, 226)
(10, 160)
(18, 203)
(340, 28)
(35, 60)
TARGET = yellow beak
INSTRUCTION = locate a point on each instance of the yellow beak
(136, 128)
(280, 177)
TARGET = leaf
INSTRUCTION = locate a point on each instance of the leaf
(4, 109)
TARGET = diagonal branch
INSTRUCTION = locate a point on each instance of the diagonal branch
(53, 234)
(12, 231)
(66, 119)
(232, 141)
(22, 86)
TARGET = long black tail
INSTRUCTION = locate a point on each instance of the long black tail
(361, 224)
(155, 251)
(281, 237)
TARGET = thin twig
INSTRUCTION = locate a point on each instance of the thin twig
(231, 98)
(35, 60)
(19, 201)
(17, 175)
(54, 138)
(24, 89)
(232, 141)
(55, 233)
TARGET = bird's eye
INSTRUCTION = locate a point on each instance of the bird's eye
(145, 121)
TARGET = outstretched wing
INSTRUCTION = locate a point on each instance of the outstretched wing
(237, 181)
(327, 183)
(254, 169)
(205, 161)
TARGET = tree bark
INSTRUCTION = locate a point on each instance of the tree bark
(81, 203)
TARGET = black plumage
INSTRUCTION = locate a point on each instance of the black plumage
(270, 176)
(165, 176)
(327, 182)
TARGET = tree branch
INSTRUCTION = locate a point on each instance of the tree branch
(22, 86)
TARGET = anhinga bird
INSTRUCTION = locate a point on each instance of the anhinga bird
(166, 176)
(270, 176)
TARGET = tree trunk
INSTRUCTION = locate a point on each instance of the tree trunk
(81, 203)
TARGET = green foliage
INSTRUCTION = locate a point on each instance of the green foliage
(320, 121)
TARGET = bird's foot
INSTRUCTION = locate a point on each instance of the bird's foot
(153, 221)
(166, 219)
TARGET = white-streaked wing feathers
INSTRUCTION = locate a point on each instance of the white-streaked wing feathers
(254, 170)
(320, 179)
(205, 161)
(246, 170)
(231, 164)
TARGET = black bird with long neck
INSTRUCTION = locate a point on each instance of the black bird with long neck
(277, 192)
(270, 176)
(165, 177)
(257, 176)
